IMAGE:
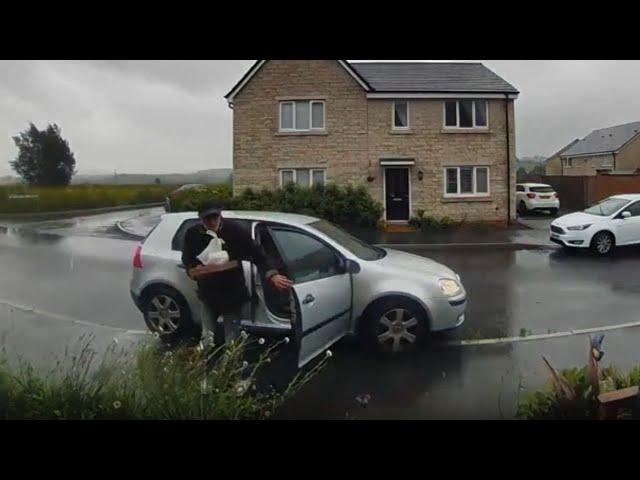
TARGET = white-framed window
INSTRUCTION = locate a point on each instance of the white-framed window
(466, 181)
(302, 115)
(400, 115)
(466, 114)
(304, 177)
(568, 162)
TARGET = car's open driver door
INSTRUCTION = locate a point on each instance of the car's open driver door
(321, 294)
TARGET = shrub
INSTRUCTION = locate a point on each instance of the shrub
(350, 206)
(549, 404)
(153, 383)
(191, 200)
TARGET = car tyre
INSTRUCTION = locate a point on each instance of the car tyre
(603, 243)
(395, 325)
(522, 208)
(554, 212)
(167, 314)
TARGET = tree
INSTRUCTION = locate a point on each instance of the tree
(44, 157)
(158, 181)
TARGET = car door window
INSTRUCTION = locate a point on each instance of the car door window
(633, 209)
(520, 188)
(305, 257)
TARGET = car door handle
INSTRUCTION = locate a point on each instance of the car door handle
(308, 299)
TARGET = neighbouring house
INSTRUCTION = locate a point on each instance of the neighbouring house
(607, 149)
(437, 137)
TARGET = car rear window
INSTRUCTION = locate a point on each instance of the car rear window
(541, 189)
(178, 239)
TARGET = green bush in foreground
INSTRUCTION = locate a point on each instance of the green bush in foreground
(549, 403)
(202, 382)
(77, 197)
(350, 206)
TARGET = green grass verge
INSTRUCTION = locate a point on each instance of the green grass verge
(197, 383)
(77, 197)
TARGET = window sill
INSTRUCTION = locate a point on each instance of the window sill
(295, 134)
(463, 199)
(401, 131)
(466, 130)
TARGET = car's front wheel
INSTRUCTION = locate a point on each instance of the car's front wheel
(603, 243)
(167, 314)
(395, 325)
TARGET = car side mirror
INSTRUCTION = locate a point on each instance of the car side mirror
(626, 214)
(351, 266)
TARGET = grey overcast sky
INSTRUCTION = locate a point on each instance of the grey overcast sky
(170, 116)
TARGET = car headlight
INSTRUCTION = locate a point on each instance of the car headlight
(449, 287)
(579, 227)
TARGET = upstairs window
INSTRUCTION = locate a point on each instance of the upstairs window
(301, 115)
(465, 114)
(400, 115)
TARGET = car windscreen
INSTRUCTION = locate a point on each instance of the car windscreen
(607, 207)
(541, 189)
(356, 246)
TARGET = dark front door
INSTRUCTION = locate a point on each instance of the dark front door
(397, 193)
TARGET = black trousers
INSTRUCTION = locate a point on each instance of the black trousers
(229, 327)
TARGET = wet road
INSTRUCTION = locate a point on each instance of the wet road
(81, 268)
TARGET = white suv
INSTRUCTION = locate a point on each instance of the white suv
(536, 196)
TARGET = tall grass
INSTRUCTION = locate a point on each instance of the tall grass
(78, 197)
(198, 383)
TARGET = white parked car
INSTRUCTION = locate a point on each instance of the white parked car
(532, 197)
(341, 286)
(613, 222)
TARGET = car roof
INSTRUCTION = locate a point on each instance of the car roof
(279, 217)
(534, 184)
(627, 196)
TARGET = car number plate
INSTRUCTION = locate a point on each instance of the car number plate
(545, 198)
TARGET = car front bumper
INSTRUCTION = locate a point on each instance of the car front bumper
(578, 239)
(448, 313)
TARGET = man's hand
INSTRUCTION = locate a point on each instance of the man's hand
(280, 282)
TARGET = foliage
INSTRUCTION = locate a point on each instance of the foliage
(192, 199)
(202, 383)
(430, 223)
(549, 403)
(44, 157)
(350, 206)
(76, 197)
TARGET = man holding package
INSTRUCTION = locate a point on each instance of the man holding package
(213, 252)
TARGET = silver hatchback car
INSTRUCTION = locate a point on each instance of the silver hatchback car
(342, 286)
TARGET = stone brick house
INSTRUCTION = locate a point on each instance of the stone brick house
(438, 137)
(607, 149)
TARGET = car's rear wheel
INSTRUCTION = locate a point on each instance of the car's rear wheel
(395, 325)
(167, 314)
(522, 208)
(603, 243)
(554, 212)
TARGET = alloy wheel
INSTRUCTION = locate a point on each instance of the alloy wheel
(164, 314)
(394, 329)
(604, 244)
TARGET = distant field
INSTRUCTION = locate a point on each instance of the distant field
(23, 199)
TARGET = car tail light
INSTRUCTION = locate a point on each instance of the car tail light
(555, 195)
(531, 195)
(137, 257)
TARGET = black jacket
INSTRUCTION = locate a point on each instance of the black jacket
(227, 289)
